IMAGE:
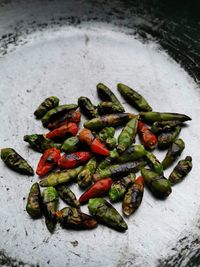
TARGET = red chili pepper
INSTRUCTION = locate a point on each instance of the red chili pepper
(96, 190)
(61, 132)
(94, 143)
(71, 116)
(147, 138)
(48, 161)
(73, 160)
(139, 180)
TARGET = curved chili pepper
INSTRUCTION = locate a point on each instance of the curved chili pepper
(64, 130)
(46, 105)
(96, 190)
(71, 116)
(48, 161)
(147, 138)
(74, 159)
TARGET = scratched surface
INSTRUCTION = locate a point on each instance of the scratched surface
(68, 60)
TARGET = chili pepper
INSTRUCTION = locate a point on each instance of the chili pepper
(111, 142)
(118, 169)
(157, 184)
(15, 162)
(95, 145)
(151, 117)
(107, 95)
(118, 188)
(107, 121)
(181, 170)
(87, 108)
(173, 153)
(127, 136)
(133, 197)
(59, 133)
(40, 143)
(98, 189)
(133, 98)
(134, 152)
(108, 160)
(71, 116)
(46, 105)
(57, 112)
(72, 218)
(147, 138)
(166, 139)
(67, 195)
(164, 126)
(84, 178)
(105, 213)
(50, 203)
(109, 108)
(33, 206)
(74, 159)
(71, 144)
(48, 161)
(154, 162)
(107, 132)
(60, 177)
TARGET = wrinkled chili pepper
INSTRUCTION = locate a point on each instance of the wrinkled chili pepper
(67, 195)
(108, 108)
(108, 160)
(34, 202)
(84, 178)
(134, 152)
(71, 144)
(71, 116)
(69, 161)
(166, 139)
(60, 133)
(164, 126)
(98, 189)
(147, 138)
(48, 104)
(105, 213)
(151, 117)
(15, 162)
(87, 108)
(154, 163)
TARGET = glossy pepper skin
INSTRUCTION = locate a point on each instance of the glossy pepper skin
(71, 144)
(72, 218)
(67, 195)
(50, 203)
(71, 116)
(87, 108)
(151, 117)
(96, 146)
(34, 202)
(133, 98)
(181, 170)
(166, 139)
(164, 126)
(84, 178)
(108, 108)
(133, 197)
(112, 120)
(119, 188)
(134, 152)
(127, 136)
(60, 133)
(40, 143)
(147, 138)
(57, 112)
(15, 162)
(69, 161)
(105, 213)
(98, 189)
(173, 153)
(157, 184)
(48, 161)
(61, 177)
(154, 162)
(46, 105)
(108, 160)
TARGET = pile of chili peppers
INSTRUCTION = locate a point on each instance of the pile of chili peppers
(100, 163)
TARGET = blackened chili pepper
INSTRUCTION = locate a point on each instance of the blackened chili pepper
(154, 162)
(164, 126)
(134, 152)
(64, 130)
(147, 138)
(34, 202)
(71, 116)
(84, 178)
(166, 139)
(67, 195)
(108, 108)
(46, 105)
(71, 144)
(87, 108)
(68, 161)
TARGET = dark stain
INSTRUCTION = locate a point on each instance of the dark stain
(87, 39)
(78, 255)
(74, 243)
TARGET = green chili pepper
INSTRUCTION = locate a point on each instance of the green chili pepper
(46, 105)
(174, 151)
(108, 108)
(166, 139)
(111, 142)
(60, 177)
(87, 108)
(70, 144)
(107, 132)
(50, 203)
(105, 213)
(108, 120)
(67, 195)
(33, 206)
(56, 112)
(158, 116)
(181, 170)
(133, 98)
(108, 160)
(154, 162)
(15, 162)
(84, 178)
(127, 136)
(118, 188)
(164, 126)
(134, 152)
(39, 143)
(157, 184)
